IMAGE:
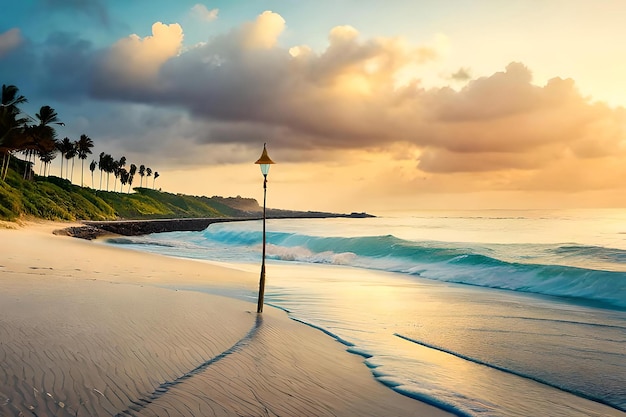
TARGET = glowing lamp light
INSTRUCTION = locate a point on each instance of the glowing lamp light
(265, 162)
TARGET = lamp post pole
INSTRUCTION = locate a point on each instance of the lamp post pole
(259, 306)
(264, 161)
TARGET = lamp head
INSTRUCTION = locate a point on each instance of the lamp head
(264, 161)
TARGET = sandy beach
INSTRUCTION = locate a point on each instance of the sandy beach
(91, 330)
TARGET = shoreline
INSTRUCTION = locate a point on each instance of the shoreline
(94, 329)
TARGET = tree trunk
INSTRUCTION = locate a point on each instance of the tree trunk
(26, 165)
(5, 164)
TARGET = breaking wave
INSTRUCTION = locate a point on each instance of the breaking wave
(449, 262)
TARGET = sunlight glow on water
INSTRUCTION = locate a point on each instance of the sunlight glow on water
(491, 327)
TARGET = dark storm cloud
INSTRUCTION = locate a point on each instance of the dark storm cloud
(58, 68)
(68, 62)
(18, 63)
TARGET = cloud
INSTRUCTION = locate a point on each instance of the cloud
(317, 99)
(134, 62)
(347, 97)
(263, 32)
(243, 87)
(66, 65)
(507, 115)
(201, 11)
(444, 161)
(462, 74)
(9, 41)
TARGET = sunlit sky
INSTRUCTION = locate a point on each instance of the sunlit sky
(365, 105)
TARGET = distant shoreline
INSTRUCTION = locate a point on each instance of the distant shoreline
(94, 229)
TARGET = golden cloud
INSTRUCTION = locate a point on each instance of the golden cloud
(10, 40)
(263, 32)
(135, 62)
(500, 130)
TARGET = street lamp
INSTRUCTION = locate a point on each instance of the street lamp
(264, 161)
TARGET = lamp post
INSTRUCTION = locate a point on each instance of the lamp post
(264, 161)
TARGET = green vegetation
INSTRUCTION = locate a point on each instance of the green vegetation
(55, 198)
(22, 193)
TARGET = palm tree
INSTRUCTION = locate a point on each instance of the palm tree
(92, 168)
(101, 167)
(156, 175)
(108, 167)
(124, 175)
(116, 173)
(9, 111)
(39, 138)
(119, 165)
(71, 154)
(46, 158)
(84, 145)
(11, 124)
(17, 135)
(64, 147)
(131, 175)
(142, 172)
(48, 116)
(148, 174)
(29, 152)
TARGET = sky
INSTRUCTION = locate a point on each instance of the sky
(364, 105)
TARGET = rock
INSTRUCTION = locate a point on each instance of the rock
(82, 232)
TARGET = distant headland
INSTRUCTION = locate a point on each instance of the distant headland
(143, 211)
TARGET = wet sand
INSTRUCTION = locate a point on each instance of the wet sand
(92, 330)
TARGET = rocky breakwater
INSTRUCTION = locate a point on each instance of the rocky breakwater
(144, 227)
(95, 229)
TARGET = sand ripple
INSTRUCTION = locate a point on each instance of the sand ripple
(93, 348)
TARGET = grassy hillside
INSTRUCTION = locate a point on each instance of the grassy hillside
(54, 198)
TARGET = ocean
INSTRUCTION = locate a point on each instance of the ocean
(481, 313)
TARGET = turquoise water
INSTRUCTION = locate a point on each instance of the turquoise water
(496, 313)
